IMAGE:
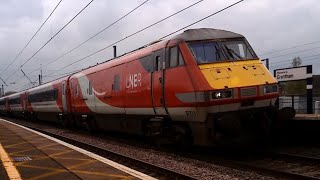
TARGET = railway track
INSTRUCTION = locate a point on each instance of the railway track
(134, 163)
(272, 163)
(283, 165)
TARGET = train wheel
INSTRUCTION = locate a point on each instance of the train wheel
(89, 125)
(64, 123)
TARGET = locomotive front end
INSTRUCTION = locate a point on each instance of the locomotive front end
(240, 93)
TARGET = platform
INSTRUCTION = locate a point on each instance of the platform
(307, 117)
(26, 154)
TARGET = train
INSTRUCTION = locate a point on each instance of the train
(199, 87)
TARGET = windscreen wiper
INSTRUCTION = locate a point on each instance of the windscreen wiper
(231, 52)
(218, 55)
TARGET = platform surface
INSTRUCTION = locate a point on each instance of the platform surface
(34, 156)
(3, 173)
(307, 117)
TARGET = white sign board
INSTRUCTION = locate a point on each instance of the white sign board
(292, 74)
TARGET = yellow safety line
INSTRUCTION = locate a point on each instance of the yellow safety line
(8, 165)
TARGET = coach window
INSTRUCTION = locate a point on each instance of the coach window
(77, 89)
(116, 83)
(55, 94)
(63, 88)
(71, 87)
(90, 88)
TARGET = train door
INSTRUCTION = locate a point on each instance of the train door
(24, 101)
(157, 81)
(73, 94)
(64, 99)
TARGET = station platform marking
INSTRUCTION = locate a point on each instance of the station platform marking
(307, 117)
(12, 171)
(45, 147)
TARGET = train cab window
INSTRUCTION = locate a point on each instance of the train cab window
(176, 58)
(116, 83)
(181, 60)
(207, 52)
(210, 52)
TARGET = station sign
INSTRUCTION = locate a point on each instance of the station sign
(292, 74)
(298, 73)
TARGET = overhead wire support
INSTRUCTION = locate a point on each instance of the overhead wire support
(137, 32)
(3, 81)
(32, 37)
(27, 77)
(51, 38)
(96, 34)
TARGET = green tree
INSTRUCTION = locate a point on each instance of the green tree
(296, 62)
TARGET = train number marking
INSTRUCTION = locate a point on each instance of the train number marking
(133, 80)
(191, 113)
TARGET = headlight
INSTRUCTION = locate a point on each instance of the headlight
(270, 89)
(223, 94)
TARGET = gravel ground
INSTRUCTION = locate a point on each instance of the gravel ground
(195, 168)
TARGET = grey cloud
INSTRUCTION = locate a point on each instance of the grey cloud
(268, 25)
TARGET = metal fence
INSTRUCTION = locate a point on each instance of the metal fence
(299, 103)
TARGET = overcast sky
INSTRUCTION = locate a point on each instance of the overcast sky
(269, 25)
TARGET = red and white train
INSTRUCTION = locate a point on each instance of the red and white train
(198, 87)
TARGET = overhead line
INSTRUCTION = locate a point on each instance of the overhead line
(290, 62)
(203, 18)
(295, 52)
(31, 38)
(129, 36)
(51, 39)
(65, 73)
(99, 32)
(271, 52)
(3, 81)
(291, 59)
(27, 77)
(147, 28)
(137, 32)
